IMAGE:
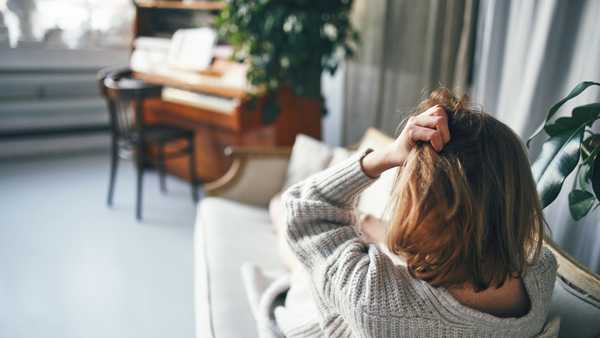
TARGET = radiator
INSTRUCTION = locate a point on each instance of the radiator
(49, 100)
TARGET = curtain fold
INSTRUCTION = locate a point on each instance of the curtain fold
(530, 54)
(407, 49)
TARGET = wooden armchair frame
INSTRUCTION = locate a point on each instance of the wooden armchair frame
(574, 273)
(255, 176)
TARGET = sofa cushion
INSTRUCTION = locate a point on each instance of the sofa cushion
(228, 234)
(338, 155)
(309, 156)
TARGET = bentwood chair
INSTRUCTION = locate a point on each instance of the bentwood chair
(130, 135)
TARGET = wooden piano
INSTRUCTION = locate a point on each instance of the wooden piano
(215, 103)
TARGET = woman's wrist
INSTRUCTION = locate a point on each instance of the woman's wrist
(376, 162)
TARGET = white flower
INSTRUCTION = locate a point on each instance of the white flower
(289, 23)
(330, 31)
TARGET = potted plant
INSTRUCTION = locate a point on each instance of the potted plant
(288, 44)
(571, 144)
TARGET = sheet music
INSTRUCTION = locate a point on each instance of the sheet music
(149, 54)
(189, 50)
(192, 49)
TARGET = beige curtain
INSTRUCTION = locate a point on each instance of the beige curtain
(407, 49)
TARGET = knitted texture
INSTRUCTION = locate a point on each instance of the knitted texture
(361, 293)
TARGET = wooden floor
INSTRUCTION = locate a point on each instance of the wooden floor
(71, 267)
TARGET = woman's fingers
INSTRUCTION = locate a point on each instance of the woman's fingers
(430, 126)
(442, 123)
(433, 136)
(436, 118)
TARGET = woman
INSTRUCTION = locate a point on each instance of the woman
(466, 218)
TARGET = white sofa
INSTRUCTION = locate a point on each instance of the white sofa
(233, 227)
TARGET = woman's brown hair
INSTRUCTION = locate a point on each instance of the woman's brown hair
(470, 213)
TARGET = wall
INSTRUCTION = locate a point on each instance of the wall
(333, 91)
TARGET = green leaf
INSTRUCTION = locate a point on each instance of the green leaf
(559, 156)
(580, 203)
(579, 88)
(285, 42)
(581, 115)
(595, 175)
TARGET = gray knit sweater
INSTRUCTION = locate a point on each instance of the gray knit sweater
(361, 293)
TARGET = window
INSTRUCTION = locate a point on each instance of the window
(66, 24)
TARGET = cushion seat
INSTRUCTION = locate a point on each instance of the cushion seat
(227, 235)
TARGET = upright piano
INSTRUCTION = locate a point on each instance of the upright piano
(214, 102)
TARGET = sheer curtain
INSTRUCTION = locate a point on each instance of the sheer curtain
(529, 54)
(407, 48)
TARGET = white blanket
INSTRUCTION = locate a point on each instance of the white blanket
(295, 318)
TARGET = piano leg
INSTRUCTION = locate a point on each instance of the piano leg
(192, 163)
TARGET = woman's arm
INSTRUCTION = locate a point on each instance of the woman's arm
(320, 213)
(320, 210)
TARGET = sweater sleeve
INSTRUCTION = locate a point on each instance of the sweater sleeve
(320, 214)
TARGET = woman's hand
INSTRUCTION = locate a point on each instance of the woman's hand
(429, 126)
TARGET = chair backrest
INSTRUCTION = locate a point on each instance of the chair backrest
(576, 297)
(101, 76)
(124, 96)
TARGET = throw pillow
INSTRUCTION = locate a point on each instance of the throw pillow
(309, 156)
